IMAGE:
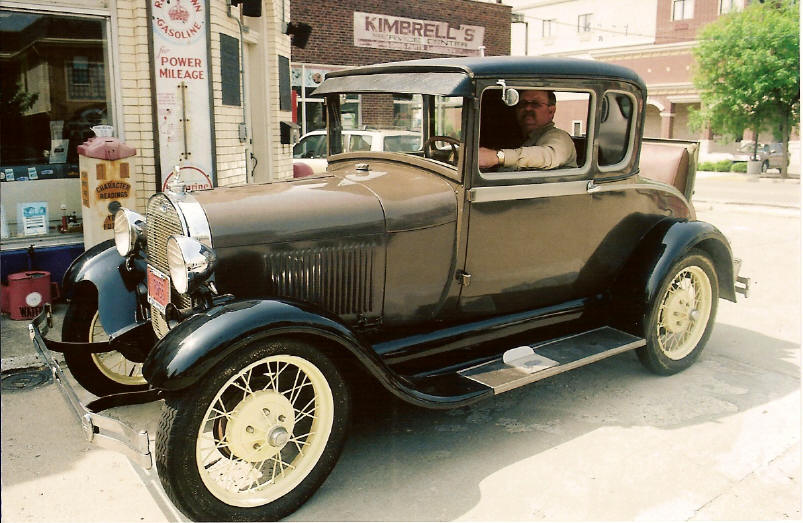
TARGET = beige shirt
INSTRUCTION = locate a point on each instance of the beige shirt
(545, 148)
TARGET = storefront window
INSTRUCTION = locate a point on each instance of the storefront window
(54, 87)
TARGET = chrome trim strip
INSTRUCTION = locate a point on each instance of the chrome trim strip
(526, 192)
(102, 431)
(548, 190)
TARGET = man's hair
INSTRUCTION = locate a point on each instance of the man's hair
(551, 98)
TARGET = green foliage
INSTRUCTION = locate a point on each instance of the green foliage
(17, 103)
(723, 166)
(739, 167)
(705, 166)
(748, 70)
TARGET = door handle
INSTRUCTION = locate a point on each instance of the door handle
(592, 187)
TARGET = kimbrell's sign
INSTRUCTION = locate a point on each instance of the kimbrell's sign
(408, 34)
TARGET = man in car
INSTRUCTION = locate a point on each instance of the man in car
(545, 146)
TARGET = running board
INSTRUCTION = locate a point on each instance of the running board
(523, 365)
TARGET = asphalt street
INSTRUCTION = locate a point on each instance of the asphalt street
(720, 441)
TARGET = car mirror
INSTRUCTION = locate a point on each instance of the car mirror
(510, 96)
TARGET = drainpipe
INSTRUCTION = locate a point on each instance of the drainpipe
(243, 128)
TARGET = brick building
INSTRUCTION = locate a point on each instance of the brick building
(193, 83)
(655, 38)
(348, 33)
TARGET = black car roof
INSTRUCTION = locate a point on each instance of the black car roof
(454, 76)
(494, 66)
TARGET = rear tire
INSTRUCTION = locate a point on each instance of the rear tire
(256, 437)
(682, 316)
(104, 373)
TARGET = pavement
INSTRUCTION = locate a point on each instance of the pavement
(719, 441)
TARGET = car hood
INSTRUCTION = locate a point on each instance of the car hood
(348, 203)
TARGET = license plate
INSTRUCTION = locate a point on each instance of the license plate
(158, 289)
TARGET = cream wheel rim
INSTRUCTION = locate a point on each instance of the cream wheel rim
(264, 431)
(684, 312)
(113, 364)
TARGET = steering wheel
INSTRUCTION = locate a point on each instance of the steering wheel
(429, 147)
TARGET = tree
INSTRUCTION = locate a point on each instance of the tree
(748, 72)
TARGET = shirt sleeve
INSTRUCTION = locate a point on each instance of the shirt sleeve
(555, 148)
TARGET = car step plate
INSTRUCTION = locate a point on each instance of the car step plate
(522, 365)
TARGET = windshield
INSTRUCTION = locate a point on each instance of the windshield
(311, 146)
(422, 125)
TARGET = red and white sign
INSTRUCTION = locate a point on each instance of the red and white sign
(193, 178)
(408, 34)
(181, 69)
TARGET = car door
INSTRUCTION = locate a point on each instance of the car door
(537, 238)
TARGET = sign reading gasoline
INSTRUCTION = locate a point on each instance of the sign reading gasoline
(182, 98)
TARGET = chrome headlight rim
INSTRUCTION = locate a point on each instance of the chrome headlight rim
(129, 231)
(190, 262)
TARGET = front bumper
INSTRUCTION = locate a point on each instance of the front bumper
(100, 430)
(741, 284)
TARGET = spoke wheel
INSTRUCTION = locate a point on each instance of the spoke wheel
(682, 317)
(683, 313)
(103, 373)
(113, 364)
(264, 431)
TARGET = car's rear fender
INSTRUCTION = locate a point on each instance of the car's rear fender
(642, 276)
(195, 346)
(114, 280)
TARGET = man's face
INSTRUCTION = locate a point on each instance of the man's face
(533, 111)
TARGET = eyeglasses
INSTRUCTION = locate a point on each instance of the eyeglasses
(525, 104)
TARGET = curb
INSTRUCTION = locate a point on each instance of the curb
(748, 204)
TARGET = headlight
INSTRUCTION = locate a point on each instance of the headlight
(129, 228)
(190, 262)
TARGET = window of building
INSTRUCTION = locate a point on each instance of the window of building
(54, 87)
(682, 9)
(546, 28)
(729, 6)
(584, 23)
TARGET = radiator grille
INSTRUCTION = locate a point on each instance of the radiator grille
(163, 221)
(340, 279)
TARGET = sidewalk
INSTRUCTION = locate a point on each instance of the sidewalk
(15, 345)
(738, 189)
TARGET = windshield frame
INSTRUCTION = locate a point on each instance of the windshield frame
(335, 130)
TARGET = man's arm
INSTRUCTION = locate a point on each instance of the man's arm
(554, 149)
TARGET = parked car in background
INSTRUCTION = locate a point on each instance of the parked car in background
(772, 156)
(311, 148)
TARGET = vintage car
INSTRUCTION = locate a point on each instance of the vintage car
(249, 310)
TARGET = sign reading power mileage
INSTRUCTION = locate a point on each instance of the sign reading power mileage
(182, 100)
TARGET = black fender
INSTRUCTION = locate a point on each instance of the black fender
(195, 346)
(116, 284)
(640, 280)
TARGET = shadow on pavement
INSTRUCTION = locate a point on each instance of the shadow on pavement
(402, 463)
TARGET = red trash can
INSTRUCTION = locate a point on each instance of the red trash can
(27, 292)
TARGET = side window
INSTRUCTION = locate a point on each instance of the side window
(310, 147)
(615, 128)
(359, 143)
(543, 135)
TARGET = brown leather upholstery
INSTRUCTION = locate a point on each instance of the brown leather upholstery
(666, 163)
